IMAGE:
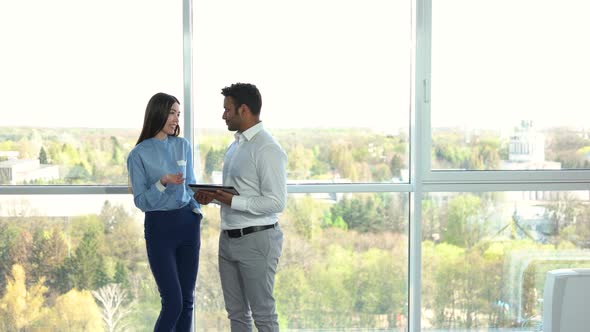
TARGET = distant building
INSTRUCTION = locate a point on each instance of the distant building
(526, 150)
(20, 171)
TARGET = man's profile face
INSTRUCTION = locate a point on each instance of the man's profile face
(231, 116)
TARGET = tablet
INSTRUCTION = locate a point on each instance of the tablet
(213, 187)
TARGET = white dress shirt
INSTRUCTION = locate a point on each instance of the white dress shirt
(255, 164)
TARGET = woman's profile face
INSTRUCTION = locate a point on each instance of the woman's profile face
(173, 119)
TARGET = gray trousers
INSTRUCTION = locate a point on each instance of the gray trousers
(247, 267)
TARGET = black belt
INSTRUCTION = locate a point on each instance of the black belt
(244, 231)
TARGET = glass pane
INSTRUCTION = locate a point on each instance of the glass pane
(76, 82)
(334, 78)
(59, 250)
(60, 254)
(485, 256)
(343, 265)
(507, 81)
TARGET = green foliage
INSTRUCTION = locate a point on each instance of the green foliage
(123, 234)
(8, 241)
(568, 147)
(363, 212)
(21, 306)
(343, 288)
(349, 267)
(78, 174)
(76, 311)
(304, 215)
(453, 149)
(292, 291)
(464, 227)
(396, 163)
(7, 145)
(86, 270)
(340, 157)
(300, 162)
(381, 173)
(117, 151)
(214, 160)
(121, 275)
(48, 254)
(43, 156)
(337, 222)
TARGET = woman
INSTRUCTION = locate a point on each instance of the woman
(160, 166)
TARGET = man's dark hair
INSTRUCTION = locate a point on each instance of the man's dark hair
(244, 93)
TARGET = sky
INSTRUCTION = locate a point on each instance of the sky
(328, 63)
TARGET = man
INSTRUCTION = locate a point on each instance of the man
(251, 240)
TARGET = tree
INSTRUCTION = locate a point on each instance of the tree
(300, 162)
(76, 311)
(447, 280)
(121, 275)
(292, 291)
(49, 252)
(304, 214)
(578, 231)
(117, 152)
(213, 160)
(396, 164)
(363, 212)
(430, 221)
(464, 227)
(563, 212)
(43, 156)
(22, 307)
(337, 222)
(112, 298)
(381, 173)
(87, 268)
(378, 285)
(341, 159)
(122, 232)
(78, 173)
(8, 241)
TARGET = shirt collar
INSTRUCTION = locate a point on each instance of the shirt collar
(250, 132)
(160, 141)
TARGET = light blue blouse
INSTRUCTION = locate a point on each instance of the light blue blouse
(149, 161)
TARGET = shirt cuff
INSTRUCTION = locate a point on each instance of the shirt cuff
(239, 203)
(160, 186)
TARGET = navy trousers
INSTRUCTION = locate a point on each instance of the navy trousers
(173, 241)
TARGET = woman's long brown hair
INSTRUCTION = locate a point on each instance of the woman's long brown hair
(156, 115)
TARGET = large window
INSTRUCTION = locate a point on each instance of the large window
(438, 156)
(486, 255)
(335, 80)
(344, 264)
(73, 259)
(506, 76)
(76, 77)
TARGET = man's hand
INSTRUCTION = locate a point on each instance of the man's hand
(205, 197)
(172, 178)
